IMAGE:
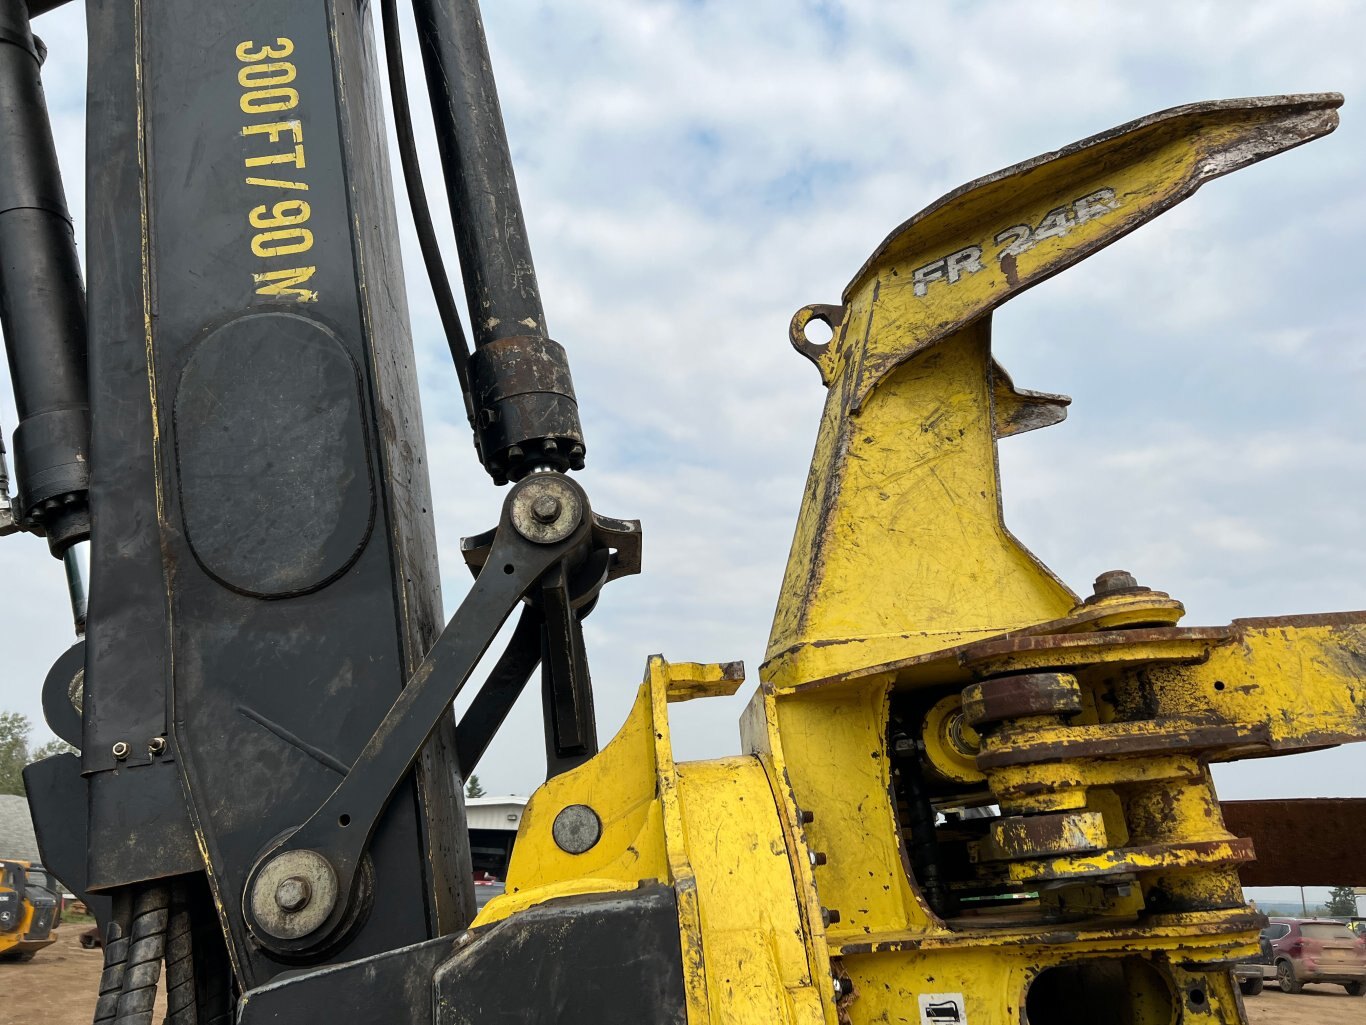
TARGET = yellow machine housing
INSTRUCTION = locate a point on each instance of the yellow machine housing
(967, 794)
(25, 928)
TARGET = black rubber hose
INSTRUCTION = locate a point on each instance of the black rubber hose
(115, 954)
(198, 973)
(146, 950)
(182, 1005)
(456, 338)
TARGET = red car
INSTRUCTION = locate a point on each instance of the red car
(1315, 950)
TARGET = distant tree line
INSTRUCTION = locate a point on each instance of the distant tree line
(15, 752)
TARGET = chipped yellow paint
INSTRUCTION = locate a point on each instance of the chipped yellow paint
(751, 929)
(902, 571)
(900, 547)
(903, 500)
(710, 829)
(659, 679)
(1109, 864)
(620, 786)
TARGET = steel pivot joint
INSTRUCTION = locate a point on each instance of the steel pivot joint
(312, 886)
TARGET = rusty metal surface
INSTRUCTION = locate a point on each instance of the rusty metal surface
(1202, 855)
(1118, 740)
(1307, 842)
(1014, 697)
(1128, 647)
(1015, 837)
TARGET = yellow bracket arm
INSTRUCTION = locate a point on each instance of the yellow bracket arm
(901, 549)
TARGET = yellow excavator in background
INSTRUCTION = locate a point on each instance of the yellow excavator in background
(966, 794)
(30, 910)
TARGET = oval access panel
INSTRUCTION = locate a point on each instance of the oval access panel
(272, 458)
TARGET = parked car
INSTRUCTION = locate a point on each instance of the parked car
(1314, 950)
(1251, 973)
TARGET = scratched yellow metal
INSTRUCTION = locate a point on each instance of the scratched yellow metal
(903, 575)
(620, 786)
(12, 938)
(712, 830)
(659, 681)
(1109, 867)
(900, 547)
(1290, 683)
(752, 936)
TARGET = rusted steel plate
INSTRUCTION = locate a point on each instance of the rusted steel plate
(1307, 842)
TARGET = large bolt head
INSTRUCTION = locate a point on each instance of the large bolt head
(1114, 580)
(546, 509)
(293, 894)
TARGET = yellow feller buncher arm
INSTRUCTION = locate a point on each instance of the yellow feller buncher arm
(969, 795)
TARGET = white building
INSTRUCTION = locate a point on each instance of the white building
(493, 824)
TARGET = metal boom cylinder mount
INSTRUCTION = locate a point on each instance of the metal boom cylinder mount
(42, 301)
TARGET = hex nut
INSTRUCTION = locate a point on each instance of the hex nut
(277, 874)
(546, 508)
(293, 894)
(1114, 581)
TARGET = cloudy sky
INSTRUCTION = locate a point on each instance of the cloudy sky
(693, 172)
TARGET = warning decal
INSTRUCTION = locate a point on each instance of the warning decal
(943, 1009)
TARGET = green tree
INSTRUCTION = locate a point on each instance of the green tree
(473, 788)
(52, 747)
(1342, 902)
(13, 752)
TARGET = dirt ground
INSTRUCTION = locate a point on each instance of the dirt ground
(58, 988)
(1316, 1005)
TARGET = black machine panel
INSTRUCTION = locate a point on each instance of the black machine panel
(601, 959)
(274, 469)
(244, 255)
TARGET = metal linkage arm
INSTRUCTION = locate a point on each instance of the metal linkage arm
(305, 892)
